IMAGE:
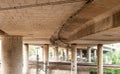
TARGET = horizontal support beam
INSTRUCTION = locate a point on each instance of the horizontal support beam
(62, 65)
(96, 17)
(42, 4)
(2, 32)
(96, 26)
(81, 28)
(36, 41)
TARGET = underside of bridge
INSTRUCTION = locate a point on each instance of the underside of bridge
(60, 23)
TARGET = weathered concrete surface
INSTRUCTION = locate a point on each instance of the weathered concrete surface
(12, 59)
(36, 20)
(66, 21)
(46, 58)
(73, 59)
(89, 25)
(95, 17)
(25, 58)
(100, 59)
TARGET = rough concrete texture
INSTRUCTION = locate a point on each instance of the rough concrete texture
(61, 21)
(25, 58)
(12, 60)
(37, 21)
(67, 21)
(93, 24)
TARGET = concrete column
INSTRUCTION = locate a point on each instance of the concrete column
(37, 63)
(56, 53)
(64, 57)
(89, 54)
(67, 54)
(73, 60)
(81, 54)
(46, 58)
(12, 59)
(26, 58)
(100, 59)
(43, 53)
(94, 53)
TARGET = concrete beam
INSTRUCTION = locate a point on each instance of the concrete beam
(55, 39)
(96, 17)
(88, 22)
(3, 33)
(36, 41)
(43, 4)
(106, 21)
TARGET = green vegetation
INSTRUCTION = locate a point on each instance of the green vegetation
(106, 71)
(112, 57)
(32, 50)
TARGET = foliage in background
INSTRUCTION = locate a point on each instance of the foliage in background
(32, 50)
(112, 57)
(106, 71)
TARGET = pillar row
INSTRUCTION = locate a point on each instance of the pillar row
(12, 59)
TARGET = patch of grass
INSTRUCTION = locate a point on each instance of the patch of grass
(106, 71)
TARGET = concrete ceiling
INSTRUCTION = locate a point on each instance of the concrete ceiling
(62, 21)
(35, 20)
(97, 23)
